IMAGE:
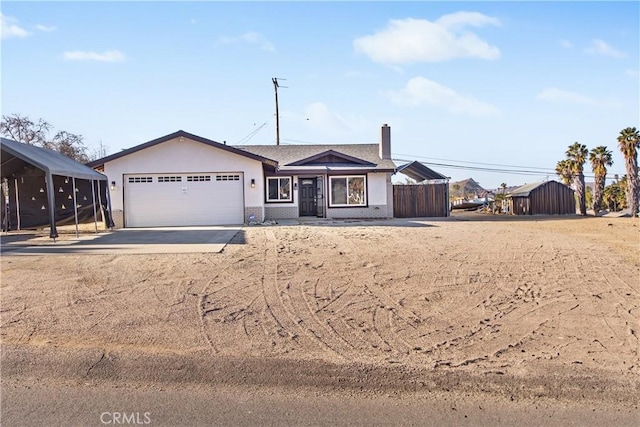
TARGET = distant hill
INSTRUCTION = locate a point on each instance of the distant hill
(466, 188)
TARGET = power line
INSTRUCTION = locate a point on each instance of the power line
(252, 133)
(493, 170)
(476, 163)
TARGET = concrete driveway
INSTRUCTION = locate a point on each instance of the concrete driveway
(161, 240)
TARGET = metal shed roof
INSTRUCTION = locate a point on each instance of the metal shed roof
(526, 189)
(16, 155)
(419, 172)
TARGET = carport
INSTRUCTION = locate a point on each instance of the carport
(43, 187)
(429, 199)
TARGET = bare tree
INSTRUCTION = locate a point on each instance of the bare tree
(99, 152)
(71, 145)
(22, 129)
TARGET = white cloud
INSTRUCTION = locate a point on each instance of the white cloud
(250, 37)
(461, 19)
(46, 28)
(599, 47)
(420, 91)
(411, 40)
(566, 44)
(632, 73)
(565, 97)
(9, 28)
(106, 56)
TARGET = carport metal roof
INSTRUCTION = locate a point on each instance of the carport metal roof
(419, 172)
(16, 155)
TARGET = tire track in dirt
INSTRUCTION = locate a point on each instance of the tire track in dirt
(226, 304)
(286, 319)
(330, 337)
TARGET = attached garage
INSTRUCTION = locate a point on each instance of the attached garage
(182, 179)
(153, 200)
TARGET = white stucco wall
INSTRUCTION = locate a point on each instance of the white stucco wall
(377, 184)
(182, 155)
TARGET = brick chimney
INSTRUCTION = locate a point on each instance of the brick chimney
(385, 142)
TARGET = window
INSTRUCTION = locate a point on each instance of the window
(194, 178)
(279, 189)
(227, 177)
(347, 190)
(140, 179)
(169, 179)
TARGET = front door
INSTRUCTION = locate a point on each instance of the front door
(307, 196)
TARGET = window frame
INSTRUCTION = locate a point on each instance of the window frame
(279, 199)
(332, 204)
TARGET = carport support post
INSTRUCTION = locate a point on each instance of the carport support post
(93, 198)
(15, 181)
(51, 197)
(109, 218)
(75, 205)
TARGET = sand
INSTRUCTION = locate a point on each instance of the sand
(520, 308)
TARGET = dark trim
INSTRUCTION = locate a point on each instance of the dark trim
(329, 171)
(266, 190)
(349, 159)
(183, 134)
(330, 193)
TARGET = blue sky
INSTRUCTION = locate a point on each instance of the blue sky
(463, 84)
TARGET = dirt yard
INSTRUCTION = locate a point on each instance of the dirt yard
(539, 307)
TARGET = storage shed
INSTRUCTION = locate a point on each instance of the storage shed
(542, 198)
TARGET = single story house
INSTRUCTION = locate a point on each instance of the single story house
(183, 179)
(542, 198)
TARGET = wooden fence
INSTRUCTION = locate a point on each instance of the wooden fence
(425, 200)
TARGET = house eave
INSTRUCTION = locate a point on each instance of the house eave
(182, 134)
(327, 170)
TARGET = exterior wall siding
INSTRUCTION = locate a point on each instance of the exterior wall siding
(281, 212)
(390, 207)
(182, 155)
(256, 211)
(118, 218)
(379, 211)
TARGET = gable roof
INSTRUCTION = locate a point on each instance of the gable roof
(526, 189)
(419, 172)
(294, 157)
(183, 134)
(330, 157)
(16, 155)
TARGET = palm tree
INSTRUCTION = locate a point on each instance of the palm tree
(629, 142)
(563, 170)
(577, 156)
(599, 158)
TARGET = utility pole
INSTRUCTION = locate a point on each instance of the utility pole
(275, 87)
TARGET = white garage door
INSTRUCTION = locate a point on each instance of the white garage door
(157, 200)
